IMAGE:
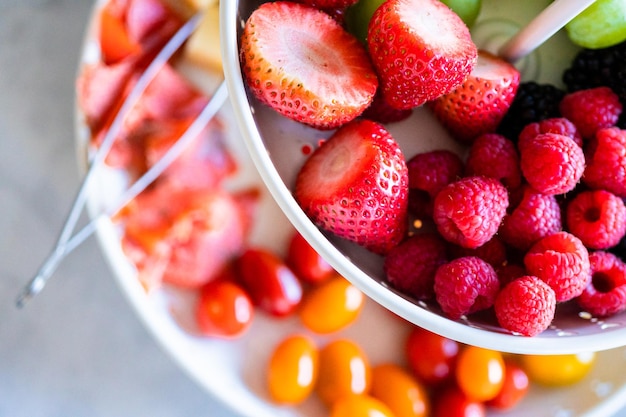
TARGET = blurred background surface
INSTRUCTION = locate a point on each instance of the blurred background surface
(77, 349)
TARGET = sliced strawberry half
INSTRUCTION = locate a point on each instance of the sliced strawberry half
(356, 186)
(478, 105)
(421, 50)
(301, 62)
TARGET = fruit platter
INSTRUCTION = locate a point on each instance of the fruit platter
(234, 292)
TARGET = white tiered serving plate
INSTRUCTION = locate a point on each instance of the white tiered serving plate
(234, 371)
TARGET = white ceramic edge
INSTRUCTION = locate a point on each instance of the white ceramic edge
(373, 289)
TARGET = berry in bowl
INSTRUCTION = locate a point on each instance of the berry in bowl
(475, 196)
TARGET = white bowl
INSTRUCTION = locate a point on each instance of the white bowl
(276, 144)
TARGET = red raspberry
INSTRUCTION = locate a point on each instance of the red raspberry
(606, 293)
(465, 285)
(468, 212)
(410, 267)
(559, 125)
(591, 109)
(551, 163)
(526, 306)
(493, 252)
(381, 112)
(495, 156)
(429, 172)
(537, 215)
(597, 218)
(606, 161)
(561, 261)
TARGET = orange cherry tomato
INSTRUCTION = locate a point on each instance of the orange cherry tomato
(431, 357)
(400, 391)
(331, 306)
(308, 265)
(360, 406)
(272, 285)
(515, 387)
(480, 372)
(293, 370)
(344, 370)
(224, 309)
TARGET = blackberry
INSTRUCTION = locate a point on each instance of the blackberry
(592, 68)
(533, 102)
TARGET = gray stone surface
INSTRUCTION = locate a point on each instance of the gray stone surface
(78, 349)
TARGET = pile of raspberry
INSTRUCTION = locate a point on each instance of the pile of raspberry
(523, 224)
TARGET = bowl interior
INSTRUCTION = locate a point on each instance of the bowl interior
(279, 146)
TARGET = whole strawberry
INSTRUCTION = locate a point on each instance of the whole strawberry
(356, 186)
(421, 50)
(478, 105)
(308, 67)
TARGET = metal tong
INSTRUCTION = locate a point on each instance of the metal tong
(66, 241)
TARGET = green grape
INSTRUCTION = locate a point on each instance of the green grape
(358, 17)
(468, 10)
(601, 25)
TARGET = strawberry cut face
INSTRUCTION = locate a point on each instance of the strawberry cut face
(356, 186)
(307, 68)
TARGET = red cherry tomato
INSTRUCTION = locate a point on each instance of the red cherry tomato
(344, 370)
(453, 403)
(292, 370)
(307, 264)
(272, 285)
(479, 372)
(224, 309)
(331, 306)
(432, 357)
(515, 387)
(400, 391)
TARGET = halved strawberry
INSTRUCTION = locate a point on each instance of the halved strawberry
(478, 105)
(421, 50)
(356, 186)
(301, 62)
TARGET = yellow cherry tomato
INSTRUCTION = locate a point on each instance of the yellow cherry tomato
(292, 370)
(479, 373)
(331, 306)
(343, 370)
(399, 390)
(558, 370)
(360, 406)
